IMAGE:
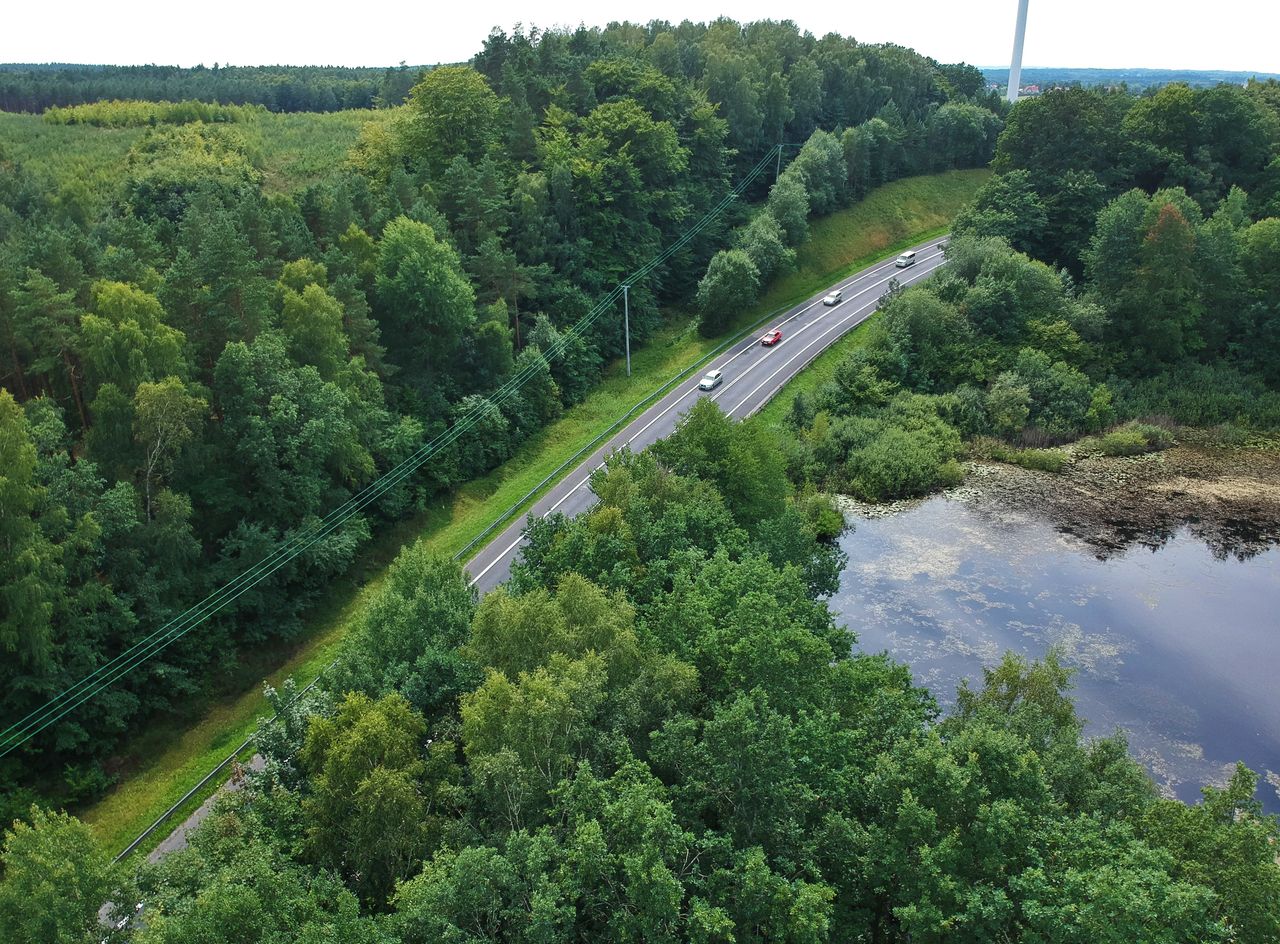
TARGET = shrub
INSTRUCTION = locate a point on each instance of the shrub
(1040, 460)
(1202, 395)
(900, 463)
(1133, 439)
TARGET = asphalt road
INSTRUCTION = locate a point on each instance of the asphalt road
(752, 375)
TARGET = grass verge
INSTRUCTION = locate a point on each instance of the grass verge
(176, 753)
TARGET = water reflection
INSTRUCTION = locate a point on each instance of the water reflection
(1172, 627)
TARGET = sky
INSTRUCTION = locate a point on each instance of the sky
(1066, 33)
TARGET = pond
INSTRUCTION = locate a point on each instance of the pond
(1175, 641)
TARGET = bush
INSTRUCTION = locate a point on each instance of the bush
(900, 463)
(1202, 395)
(1134, 439)
(1040, 460)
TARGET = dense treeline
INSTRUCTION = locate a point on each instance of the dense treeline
(1068, 153)
(1146, 81)
(1166, 304)
(35, 88)
(831, 171)
(657, 733)
(197, 369)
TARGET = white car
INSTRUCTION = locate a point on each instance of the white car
(711, 380)
(906, 259)
(833, 298)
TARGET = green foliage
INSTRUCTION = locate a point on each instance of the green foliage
(124, 340)
(763, 241)
(55, 878)
(405, 639)
(1071, 150)
(452, 113)
(744, 464)
(367, 809)
(730, 285)
(278, 88)
(789, 205)
(1039, 460)
(29, 566)
(1007, 207)
(900, 453)
(238, 882)
(132, 114)
(691, 749)
(1133, 439)
(220, 330)
(168, 165)
(1008, 348)
(657, 733)
(425, 301)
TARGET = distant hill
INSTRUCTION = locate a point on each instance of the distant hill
(1135, 79)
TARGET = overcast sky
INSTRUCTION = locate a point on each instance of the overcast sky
(1149, 33)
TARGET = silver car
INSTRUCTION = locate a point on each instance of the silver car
(711, 380)
(833, 298)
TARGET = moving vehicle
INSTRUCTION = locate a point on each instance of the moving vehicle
(906, 259)
(770, 338)
(833, 298)
(711, 380)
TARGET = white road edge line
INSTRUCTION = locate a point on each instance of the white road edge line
(873, 305)
(875, 270)
(744, 374)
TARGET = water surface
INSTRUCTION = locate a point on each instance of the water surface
(1174, 643)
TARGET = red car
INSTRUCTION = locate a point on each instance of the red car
(772, 338)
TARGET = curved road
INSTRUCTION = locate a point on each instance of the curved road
(752, 375)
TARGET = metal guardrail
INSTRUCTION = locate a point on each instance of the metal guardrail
(204, 781)
(613, 428)
(502, 519)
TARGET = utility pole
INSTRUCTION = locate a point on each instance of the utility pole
(626, 323)
(778, 171)
(1015, 67)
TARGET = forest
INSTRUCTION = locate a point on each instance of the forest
(1121, 267)
(656, 731)
(199, 364)
(36, 88)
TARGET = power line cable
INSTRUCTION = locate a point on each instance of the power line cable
(143, 650)
(123, 664)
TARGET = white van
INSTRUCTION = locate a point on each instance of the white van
(906, 259)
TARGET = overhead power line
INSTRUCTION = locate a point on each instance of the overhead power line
(21, 731)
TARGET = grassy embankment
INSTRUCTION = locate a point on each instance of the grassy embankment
(825, 254)
(173, 755)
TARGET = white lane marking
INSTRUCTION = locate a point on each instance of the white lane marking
(874, 270)
(873, 305)
(725, 389)
(563, 498)
(675, 403)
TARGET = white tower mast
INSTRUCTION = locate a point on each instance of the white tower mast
(1015, 68)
